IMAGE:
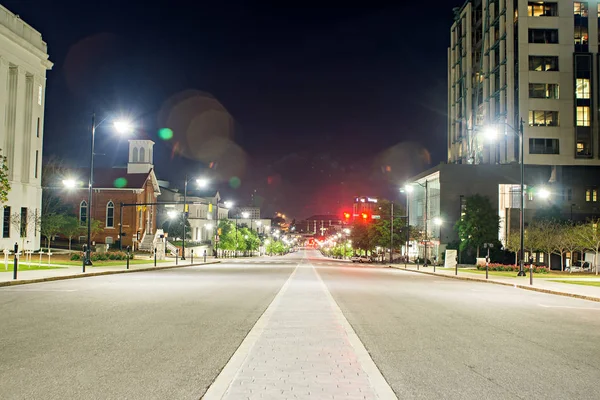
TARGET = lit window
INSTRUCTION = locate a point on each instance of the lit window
(580, 9)
(582, 88)
(594, 194)
(541, 257)
(543, 118)
(543, 90)
(110, 215)
(583, 115)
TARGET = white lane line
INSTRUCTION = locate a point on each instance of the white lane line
(220, 385)
(573, 308)
(378, 382)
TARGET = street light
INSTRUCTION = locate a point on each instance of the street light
(544, 193)
(520, 134)
(123, 127)
(70, 183)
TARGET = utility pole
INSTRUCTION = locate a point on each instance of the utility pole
(392, 234)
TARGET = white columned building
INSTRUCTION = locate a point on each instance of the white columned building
(23, 65)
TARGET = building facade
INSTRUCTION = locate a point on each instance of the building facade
(537, 62)
(121, 200)
(364, 205)
(23, 65)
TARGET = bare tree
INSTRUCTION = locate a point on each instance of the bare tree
(25, 228)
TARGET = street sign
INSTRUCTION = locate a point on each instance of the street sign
(376, 216)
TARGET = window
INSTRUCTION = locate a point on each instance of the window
(23, 227)
(542, 9)
(38, 127)
(543, 118)
(142, 154)
(6, 223)
(110, 215)
(543, 90)
(582, 88)
(543, 35)
(543, 146)
(83, 212)
(543, 63)
(39, 95)
(580, 9)
(584, 149)
(591, 195)
(37, 156)
(581, 36)
(109, 240)
(583, 115)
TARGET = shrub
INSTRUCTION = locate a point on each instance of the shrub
(75, 257)
(513, 268)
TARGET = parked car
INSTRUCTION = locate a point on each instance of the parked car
(360, 259)
(579, 266)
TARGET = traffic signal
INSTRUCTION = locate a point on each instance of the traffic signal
(347, 215)
(365, 216)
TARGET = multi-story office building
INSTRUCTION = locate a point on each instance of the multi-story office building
(510, 62)
(365, 205)
(23, 65)
(533, 61)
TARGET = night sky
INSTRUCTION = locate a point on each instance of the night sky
(304, 106)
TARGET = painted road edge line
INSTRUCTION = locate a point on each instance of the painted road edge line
(517, 286)
(223, 381)
(90, 274)
(378, 382)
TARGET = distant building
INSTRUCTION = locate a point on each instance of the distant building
(23, 65)
(202, 211)
(319, 225)
(253, 212)
(364, 205)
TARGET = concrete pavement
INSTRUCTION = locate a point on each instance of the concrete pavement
(155, 335)
(252, 328)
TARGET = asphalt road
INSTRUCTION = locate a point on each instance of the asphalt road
(167, 334)
(157, 335)
(438, 338)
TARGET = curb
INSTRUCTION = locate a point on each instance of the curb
(518, 286)
(86, 275)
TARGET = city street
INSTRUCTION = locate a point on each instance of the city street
(296, 326)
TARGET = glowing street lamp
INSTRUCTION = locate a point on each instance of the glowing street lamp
(70, 183)
(544, 193)
(122, 127)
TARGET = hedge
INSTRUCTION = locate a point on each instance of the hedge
(513, 268)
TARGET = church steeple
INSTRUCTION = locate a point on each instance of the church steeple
(141, 157)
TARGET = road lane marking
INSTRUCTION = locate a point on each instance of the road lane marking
(574, 308)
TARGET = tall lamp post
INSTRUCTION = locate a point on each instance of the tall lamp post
(492, 133)
(121, 127)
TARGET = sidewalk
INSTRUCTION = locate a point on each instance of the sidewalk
(35, 275)
(541, 282)
(301, 347)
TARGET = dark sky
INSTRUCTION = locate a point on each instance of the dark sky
(305, 106)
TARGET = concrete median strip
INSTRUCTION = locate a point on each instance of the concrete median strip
(518, 286)
(89, 274)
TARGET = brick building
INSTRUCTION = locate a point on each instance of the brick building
(116, 186)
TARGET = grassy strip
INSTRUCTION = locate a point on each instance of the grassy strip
(585, 283)
(24, 267)
(511, 274)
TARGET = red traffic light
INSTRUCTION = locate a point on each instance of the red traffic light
(365, 215)
(347, 215)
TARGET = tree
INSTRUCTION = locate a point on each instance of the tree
(174, 227)
(570, 240)
(513, 243)
(51, 226)
(71, 228)
(28, 227)
(547, 236)
(4, 181)
(589, 238)
(479, 223)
